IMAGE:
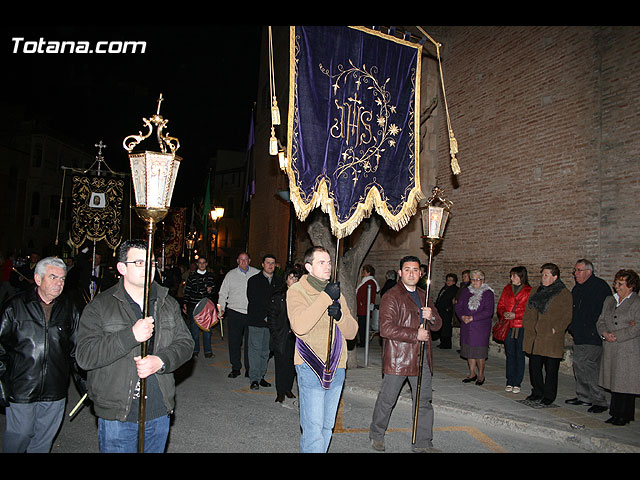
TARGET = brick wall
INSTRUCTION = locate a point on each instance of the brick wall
(545, 118)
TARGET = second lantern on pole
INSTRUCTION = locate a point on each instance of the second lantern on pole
(434, 216)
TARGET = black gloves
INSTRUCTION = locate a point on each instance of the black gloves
(333, 290)
(335, 311)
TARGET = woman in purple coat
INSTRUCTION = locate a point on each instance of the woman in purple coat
(475, 311)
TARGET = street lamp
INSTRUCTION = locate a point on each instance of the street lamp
(190, 242)
(154, 176)
(434, 216)
(216, 214)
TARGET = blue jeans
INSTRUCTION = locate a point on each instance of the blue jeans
(515, 357)
(122, 437)
(318, 408)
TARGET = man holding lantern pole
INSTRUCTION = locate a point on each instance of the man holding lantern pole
(402, 311)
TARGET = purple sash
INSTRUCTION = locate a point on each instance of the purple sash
(317, 365)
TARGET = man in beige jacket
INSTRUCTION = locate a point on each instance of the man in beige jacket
(313, 304)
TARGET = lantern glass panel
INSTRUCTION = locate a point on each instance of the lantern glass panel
(435, 220)
(443, 224)
(154, 177)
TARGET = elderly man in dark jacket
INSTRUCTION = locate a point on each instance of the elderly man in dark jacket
(402, 311)
(589, 294)
(37, 354)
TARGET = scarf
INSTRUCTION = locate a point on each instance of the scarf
(365, 280)
(476, 295)
(541, 298)
(317, 283)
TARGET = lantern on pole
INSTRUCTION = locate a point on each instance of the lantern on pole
(154, 176)
(190, 242)
(434, 216)
(216, 214)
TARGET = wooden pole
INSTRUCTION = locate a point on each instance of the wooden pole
(334, 276)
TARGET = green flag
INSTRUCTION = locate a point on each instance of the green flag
(206, 209)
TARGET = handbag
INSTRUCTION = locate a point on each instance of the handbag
(500, 330)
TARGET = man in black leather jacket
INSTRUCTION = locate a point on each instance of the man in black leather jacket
(37, 353)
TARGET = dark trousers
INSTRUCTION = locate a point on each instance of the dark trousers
(285, 370)
(545, 385)
(623, 405)
(238, 329)
(388, 396)
(515, 356)
(446, 332)
(362, 330)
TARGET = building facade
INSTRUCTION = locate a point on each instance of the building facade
(545, 119)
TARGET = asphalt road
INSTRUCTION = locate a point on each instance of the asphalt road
(216, 414)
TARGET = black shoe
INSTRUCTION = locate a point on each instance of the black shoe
(619, 421)
(254, 386)
(289, 394)
(480, 382)
(597, 409)
(280, 398)
(533, 398)
(264, 383)
(469, 380)
(546, 401)
(208, 354)
(234, 374)
(575, 401)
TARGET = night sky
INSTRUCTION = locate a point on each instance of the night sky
(207, 76)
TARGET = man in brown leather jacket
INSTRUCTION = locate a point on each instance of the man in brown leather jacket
(401, 312)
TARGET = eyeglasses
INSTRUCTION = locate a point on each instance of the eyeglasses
(141, 263)
(579, 270)
(476, 279)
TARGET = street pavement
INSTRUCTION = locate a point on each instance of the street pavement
(489, 403)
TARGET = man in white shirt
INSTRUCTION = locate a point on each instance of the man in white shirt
(233, 306)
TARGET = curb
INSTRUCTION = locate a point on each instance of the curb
(585, 441)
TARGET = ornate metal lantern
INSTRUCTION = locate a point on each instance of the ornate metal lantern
(154, 176)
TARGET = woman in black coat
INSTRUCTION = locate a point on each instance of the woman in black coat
(282, 341)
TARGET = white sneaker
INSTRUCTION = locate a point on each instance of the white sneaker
(508, 388)
(516, 390)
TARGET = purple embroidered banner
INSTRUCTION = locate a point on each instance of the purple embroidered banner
(353, 140)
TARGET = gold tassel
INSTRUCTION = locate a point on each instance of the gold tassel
(453, 149)
(455, 168)
(273, 143)
(275, 112)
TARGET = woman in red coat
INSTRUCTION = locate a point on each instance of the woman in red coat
(511, 307)
(368, 279)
